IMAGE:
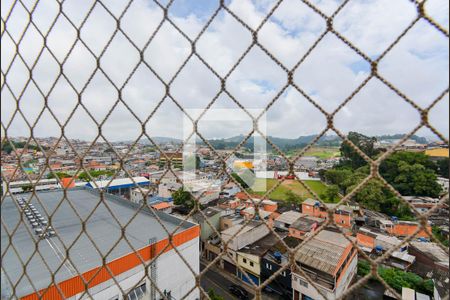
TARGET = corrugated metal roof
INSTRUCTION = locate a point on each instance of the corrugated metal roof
(289, 217)
(323, 252)
(101, 227)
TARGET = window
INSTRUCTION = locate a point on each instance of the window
(251, 264)
(244, 260)
(303, 283)
(137, 293)
(268, 266)
(283, 273)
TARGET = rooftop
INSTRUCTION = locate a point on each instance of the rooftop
(323, 252)
(100, 226)
(306, 223)
(262, 213)
(208, 212)
(232, 230)
(310, 201)
(432, 250)
(118, 182)
(289, 217)
(263, 245)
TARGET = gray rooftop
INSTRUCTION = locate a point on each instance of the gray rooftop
(263, 245)
(305, 223)
(208, 212)
(323, 252)
(100, 226)
(289, 217)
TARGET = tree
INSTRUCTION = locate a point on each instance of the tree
(437, 232)
(292, 199)
(337, 176)
(367, 145)
(398, 279)
(416, 180)
(411, 173)
(344, 178)
(375, 196)
(389, 168)
(331, 194)
(59, 174)
(27, 188)
(182, 197)
(442, 167)
(94, 174)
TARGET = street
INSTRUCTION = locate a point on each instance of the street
(217, 282)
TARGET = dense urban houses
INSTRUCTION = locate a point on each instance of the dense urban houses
(344, 215)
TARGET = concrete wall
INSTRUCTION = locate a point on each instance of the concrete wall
(172, 275)
(255, 260)
(247, 238)
(206, 230)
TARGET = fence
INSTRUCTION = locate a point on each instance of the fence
(19, 19)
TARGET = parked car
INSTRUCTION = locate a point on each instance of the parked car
(238, 291)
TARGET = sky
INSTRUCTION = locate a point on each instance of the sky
(417, 66)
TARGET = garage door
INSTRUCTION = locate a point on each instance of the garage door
(244, 278)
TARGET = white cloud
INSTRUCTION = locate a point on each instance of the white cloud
(418, 66)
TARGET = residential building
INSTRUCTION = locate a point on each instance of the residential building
(432, 262)
(404, 228)
(374, 241)
(207, 218)
(303, 226)
(343, 215)
(330, 260)
(285, 220)
(238, 237)
(274, 259)
(249, 258)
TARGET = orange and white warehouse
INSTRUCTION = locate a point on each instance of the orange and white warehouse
(85, 224)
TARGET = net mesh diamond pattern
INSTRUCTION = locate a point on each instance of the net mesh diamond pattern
(18, 22)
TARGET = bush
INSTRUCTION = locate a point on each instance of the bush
(397, 278)
(214, 296)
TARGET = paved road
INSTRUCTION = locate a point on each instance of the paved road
(217, 282)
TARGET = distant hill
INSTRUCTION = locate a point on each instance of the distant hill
(282, 143)
(163, 140)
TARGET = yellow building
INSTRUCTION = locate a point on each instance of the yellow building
(437, 152)
(241, 164)
(251, 265)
